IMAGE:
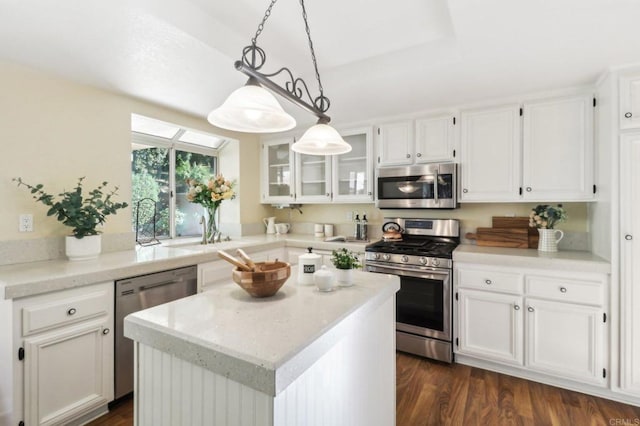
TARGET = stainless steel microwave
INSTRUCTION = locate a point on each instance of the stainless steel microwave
(427, 186)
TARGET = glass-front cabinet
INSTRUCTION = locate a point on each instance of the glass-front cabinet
(313, 176)
(278, 171)
(352, 178)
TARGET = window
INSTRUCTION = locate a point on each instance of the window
(163, 157)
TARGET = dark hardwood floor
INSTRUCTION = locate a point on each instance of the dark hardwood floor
(434, 393)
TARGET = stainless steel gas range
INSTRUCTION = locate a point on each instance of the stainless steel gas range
(421, 256)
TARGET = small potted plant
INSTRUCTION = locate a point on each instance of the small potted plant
(83, 212)
(345, 262)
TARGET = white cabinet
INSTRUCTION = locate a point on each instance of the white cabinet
(277, 172)
(424, 140)
(313, 178)
(395, 143)
(490, 325)
(67, 341)
(490, 154)
(538, 321)
(352, 173)
(435, 139)
(558, 149)
(630, 101)
(552, 160)
(630, 266)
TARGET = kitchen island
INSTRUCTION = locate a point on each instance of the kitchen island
(300, 357)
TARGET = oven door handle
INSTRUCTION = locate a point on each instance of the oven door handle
(429, 275)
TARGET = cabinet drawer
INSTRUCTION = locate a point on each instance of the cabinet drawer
(573, 291)
(509, 282)
(47, 315)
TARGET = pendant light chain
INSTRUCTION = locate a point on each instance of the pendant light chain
(313, 53)
(264, 19)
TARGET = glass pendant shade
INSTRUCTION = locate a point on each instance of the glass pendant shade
(251, 109)
(321, 139)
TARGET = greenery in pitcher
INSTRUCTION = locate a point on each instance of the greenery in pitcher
(81, 211)
(544, 216)
(344, 259)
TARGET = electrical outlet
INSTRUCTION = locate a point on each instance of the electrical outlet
(26, 223)
(349, 216)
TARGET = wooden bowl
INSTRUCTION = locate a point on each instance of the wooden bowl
(265, 281)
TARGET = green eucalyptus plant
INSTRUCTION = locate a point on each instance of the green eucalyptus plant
(344, 259)
(74, 209)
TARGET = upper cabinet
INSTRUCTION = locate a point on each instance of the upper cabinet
(395, 143)
(550, 160)
(558, 149)
(630, 101)
(353, 172)
(424, 140)
(490, 154)
(308, 179)
(277, 171)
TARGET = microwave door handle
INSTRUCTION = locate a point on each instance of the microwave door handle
(435, 186)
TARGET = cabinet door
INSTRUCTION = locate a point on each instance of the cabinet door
(67, 372)
(353, 171)
(490, 325)
(490, 154)
(277, 172)
(395, 143)
(558, 149)
(630, 267)
(434, 139)
(212, 273)
(313, 178)
(566, 340)
(630, 102)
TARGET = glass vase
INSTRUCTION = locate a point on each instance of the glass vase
(213, 230)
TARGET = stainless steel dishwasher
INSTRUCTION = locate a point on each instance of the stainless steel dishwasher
(142, 292)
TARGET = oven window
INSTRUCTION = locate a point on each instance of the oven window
(414, 187)
(420, 303)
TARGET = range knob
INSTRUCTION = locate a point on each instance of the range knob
(405, 259)
(386, 257)
(423, 260)
(376, 256)
(435, 262)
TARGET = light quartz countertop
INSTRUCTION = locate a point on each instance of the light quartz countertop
(29, 279)
(564, 260)
(262, 343)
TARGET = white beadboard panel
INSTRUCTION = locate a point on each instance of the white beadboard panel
(175, 392)
(353, 384)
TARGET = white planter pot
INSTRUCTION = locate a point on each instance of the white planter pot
(345, 277)
(85, 248)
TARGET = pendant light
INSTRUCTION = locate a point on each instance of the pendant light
(254, 109)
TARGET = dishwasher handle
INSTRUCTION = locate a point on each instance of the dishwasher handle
(160, 284)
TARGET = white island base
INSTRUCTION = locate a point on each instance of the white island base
(299, 358)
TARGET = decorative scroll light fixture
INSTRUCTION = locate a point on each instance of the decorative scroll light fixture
(253, 109)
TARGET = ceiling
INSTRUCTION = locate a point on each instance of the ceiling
(377, 58)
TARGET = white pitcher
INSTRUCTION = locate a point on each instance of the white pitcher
(549, 239)
(270, 223)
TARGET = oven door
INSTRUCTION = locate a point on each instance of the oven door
(423, 303)
(429, 186)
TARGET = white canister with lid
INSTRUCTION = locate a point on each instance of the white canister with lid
(308, 264)
(323, 279)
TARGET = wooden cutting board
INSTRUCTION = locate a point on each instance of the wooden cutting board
(510, 222)
(503, 237)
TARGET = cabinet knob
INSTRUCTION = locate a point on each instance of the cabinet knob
(563, 289)
(369, 192)
(408, 155)
(327, 194)
(516, 307)
(71, 311)
(487, 282)
(530, 309)
(628, 115)
(105, 331)
(418, 155)
(628, 237)
(528, 189)
(465, 190)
